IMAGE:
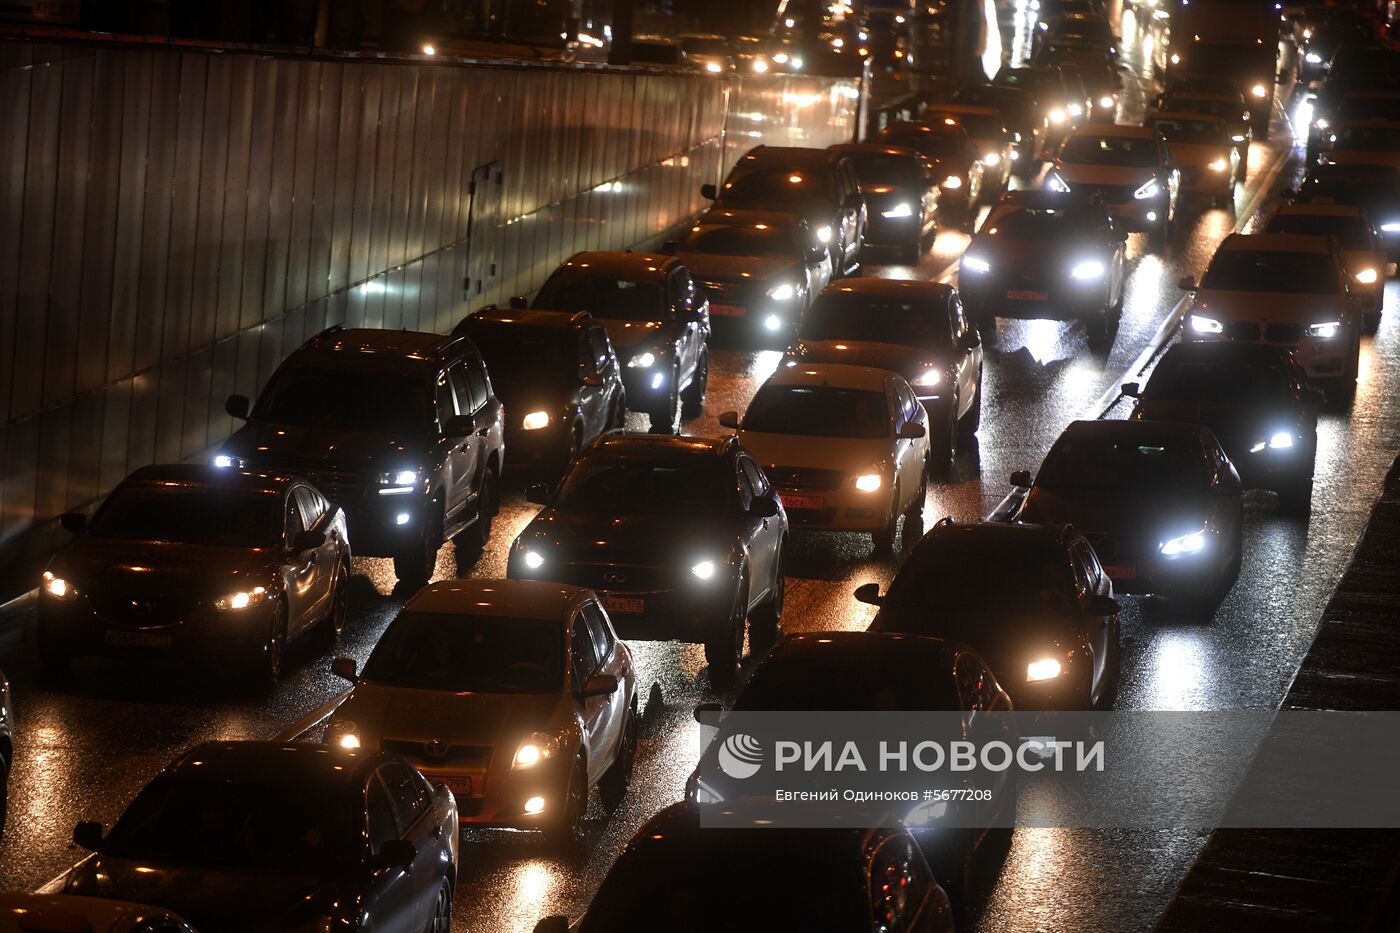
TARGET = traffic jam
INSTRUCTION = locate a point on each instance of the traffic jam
(1065, 392)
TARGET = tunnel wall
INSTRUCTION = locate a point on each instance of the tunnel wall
(173, 222)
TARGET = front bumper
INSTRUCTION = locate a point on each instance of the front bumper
(495, 795)
(841, 508)
(187, 631)
(383, 526)
(1139, 567)
(1320, 359)
(1141, 215)
(1272, 469)
(540, 448)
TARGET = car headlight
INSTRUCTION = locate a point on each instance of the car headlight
(1054, 182)
(1057, 116)
(533, 560)
(824, 234)
(952, 182)
(1391, 227)
(1076, 110)
(1325, 330)
(1259, 90)
(1044, 669)
(535, 420)
(1281, 440)
(1087, 270)
(242, 599)
(992, 159)
(536, 748)
(1366, 276)
(1206, 325)
(58, 587)
(929, 377)
(899, 210)
(1237, 138)
(1193, 543)
(714, 68)
(705, 570)
(228, 462)
(1219, 165)
(783, 292)
(760, 66)
(974, 264)
(343, 733)
(1312, 58)
(642, 361)
(398, 482)
(1149, 189)
(1106, 102)
(869, 482)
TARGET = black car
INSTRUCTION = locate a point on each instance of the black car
(959, 167)
(901, 189)
(683, 877)
(1374, 188)
(1024, 116)
(195, 561)
(241, 836)
(874, 672)
(681, 537)
(913, 327)
(1254, 398)
(820, 186)
(760, 269)
(986, 128)
(658, 321)
(1033, 600)
(1047, 254)
(558, 376)
(1159, 501)
(400, 429)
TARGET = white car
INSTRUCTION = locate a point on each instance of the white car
(846, 446)
(1130, 166)
(1365, 142)
(1283, 290)
(32, 913)
(517, 695)
(1361, 244)
(1202, 153)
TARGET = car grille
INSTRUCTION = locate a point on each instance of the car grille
(140, 610)
(787, 477)
(1116, 549)
(1242, 330)
(1112, 194)
(435, 756)
(618, 578)
(337, 485)
(719, 290)
(812, 516)
(1283, 333)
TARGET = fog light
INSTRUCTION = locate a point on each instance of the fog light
(657, 380)
(534, 805)
(401, 519)
(1044, 669)
(1219, 165)
(1151, 216)
(713, 68)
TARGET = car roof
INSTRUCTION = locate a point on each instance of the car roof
(377, 348)
(836, 375)
(264, 762)
(620, 445)
(1148, 431)
(1311, 209)
(875, 148)
(731, 217)
(912, 289)
(205, 476)
(515, 599)
(638, 266)
(998, 532)
(526, 319)
(788, 156)
(1186, 115)
(1276, 243)
(1044, 197)
(682, 822)
(1116, 129)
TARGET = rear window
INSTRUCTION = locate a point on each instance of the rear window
(881, 168)
(844, 316)
(933, 143)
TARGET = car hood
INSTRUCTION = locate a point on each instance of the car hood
(179, 571)
(212, 901)
(295, 447)
(738, 270)
(909, 362)
(608, 538)
(1128, 513)
(630, 336)
(1265, 307)
(850, 455)
(1102, 174)
(497, 719)
(1198, 155)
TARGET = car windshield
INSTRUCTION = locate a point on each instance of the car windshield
(264, 828)
(887, 168)
(1380, 197)
(933, 143)
(969, 573)
(758, 240)
(1121, 151)
(828, 680)
(469, 654)
(1367, 139)
(1247, 270)
(1197, 132)
(780, 186)
(1224, 109)
(848, 316)
(1037, 223)
(602, 296)
(346, 400)
(190, 515)
(1128, 465)
(1217, 382)
(690, 486)
(1354, 233)
(818, 411)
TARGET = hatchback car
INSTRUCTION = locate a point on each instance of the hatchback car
(657, 320)
(681, 537)
(1129, 166)
(61, 913)
(188, 560)
(1284, 290)
(914, 328)
(1032, 600)
(680, 876)
(399, 429)
(1361, 244)
(846, 446)
(959, 167)
(1256, 401)
(515, 695)
(1200, 146)
(239, 836)
(1160, 502)
(558, 376)
(1047, 254)
(902, 195)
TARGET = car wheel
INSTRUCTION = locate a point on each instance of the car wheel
(441, 919)
(1112, 673)
(885, 537)
(415, 565)
(269, 659)
(972, 421)
(943, 449)
(668, 419)
(693, 400)
(914, 514)
(4, 792)
(566, 829)
(617, 415)
(724, 648)
(618, 778)
(333, 626)
(766, 626)
(1157, 238)
(1296, 497)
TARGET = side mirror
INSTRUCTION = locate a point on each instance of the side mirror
(1100, 606)
(708, 192)
(459, 426)
(671, 247)
(537, 494)
(705, 711)
(237, 406)
(599, 685)
(729, 419)
(1021, 479)
(552, 924)
(73, 522)
(763, 507)
(308, 540)
(1186, 283)
(88, 835)
(911, 430)
(518, 303)
(593, 379)
(396, 853)
(345, 669)
(1132, 390)
(869, 593)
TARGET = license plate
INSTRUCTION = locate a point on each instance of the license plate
(803, 502)
(1017, 294)
(461, 786)
(122, 639)
(729, 310)
(624, 604)
(1120, 571)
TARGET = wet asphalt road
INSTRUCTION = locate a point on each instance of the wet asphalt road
(84, 751)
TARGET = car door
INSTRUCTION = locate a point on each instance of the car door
(851, 211)
(594, 385)
(298, 570)
(457, 452)
(980, 692)
(583, 664)
(967, 347)
(683, 301)
(611, 660)
(1090, 581)
(410, 796)
(765, 535)
(389, 891)
(323, 559)
(910, 454)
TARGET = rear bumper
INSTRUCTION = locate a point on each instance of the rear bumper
(1043, 297)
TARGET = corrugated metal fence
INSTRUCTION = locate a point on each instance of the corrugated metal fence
(174, 222)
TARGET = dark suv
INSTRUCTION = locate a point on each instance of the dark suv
(558, 376)
(400, 429)
(656, 318)
(818, 184)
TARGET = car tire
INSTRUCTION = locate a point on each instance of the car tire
(667, 420)
(943, 449)
(4, 792)
(333, 625)
(414, 566)
(565, 830)
(911, 253)
(725, 648)
(766, 624)
(613, 787)
(693, 399)
(914, 514)
(1371, 322)
(440, 921)
(1157, 238)
(617, 415)
(269, 661)
(1296, 498)
(1112, 677)
(971, 422)
(885, 538)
